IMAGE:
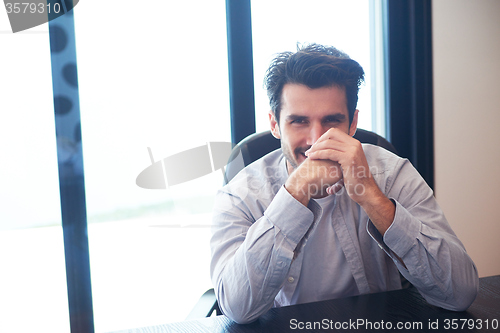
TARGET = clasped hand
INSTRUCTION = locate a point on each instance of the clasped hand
(336, 161)
(336, 150)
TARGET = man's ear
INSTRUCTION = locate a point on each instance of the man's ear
(275, 130)
(354, 123)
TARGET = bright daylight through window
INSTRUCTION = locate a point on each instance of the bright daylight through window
(155, 81)
(33, 278)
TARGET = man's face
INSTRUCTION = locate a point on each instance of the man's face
(305, 115)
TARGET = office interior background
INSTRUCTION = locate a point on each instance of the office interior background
(158, 78)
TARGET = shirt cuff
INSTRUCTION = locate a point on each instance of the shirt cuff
(400, 237)
(403, 232)
(291, 217)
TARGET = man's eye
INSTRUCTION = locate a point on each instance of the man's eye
(298, 121)
(332, 120)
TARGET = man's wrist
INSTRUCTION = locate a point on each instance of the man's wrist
(381, 211)
(298, 190)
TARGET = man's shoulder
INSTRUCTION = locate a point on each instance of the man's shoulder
(381, 160)
(264, 172)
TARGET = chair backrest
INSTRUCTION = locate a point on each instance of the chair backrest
(257, 145)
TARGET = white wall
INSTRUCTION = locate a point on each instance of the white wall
(466, 54)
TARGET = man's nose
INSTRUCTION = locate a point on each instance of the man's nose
(314, 134)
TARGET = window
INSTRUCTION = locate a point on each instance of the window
(157, 80)
(33, 278)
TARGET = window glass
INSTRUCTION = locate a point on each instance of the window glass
(156, 79)
(278, 25)
(33, 279)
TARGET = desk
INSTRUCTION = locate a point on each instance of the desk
(366, 313)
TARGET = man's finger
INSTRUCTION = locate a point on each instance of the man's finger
(334, 134)
(335, 187)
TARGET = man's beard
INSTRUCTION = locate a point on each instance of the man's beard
(293, 158)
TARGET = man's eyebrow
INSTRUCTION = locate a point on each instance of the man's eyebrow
(335, 117)
(292, 117)
(339, 117)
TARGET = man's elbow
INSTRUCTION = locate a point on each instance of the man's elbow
(238, 308)
(237, 313)
(466, 296)
(240, 318)
(468, 292)
(462, 298)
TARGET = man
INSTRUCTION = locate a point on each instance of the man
(325, 216)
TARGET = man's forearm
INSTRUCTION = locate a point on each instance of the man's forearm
(380, 210)
(298, 191)
(242, 289)
(434, 259)
(312, 179)
(250, 260)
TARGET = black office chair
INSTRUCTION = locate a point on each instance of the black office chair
(251, 149)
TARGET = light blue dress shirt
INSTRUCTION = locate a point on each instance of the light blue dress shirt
(270, 250)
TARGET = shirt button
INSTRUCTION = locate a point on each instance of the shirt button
(291, 279)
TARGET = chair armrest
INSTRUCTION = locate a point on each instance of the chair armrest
(205, 306)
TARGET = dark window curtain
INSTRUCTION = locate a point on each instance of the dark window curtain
(409, 77)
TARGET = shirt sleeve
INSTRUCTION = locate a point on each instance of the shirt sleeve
(252, 254)
(435, 261)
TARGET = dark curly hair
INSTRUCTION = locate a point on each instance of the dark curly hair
(314, 66)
